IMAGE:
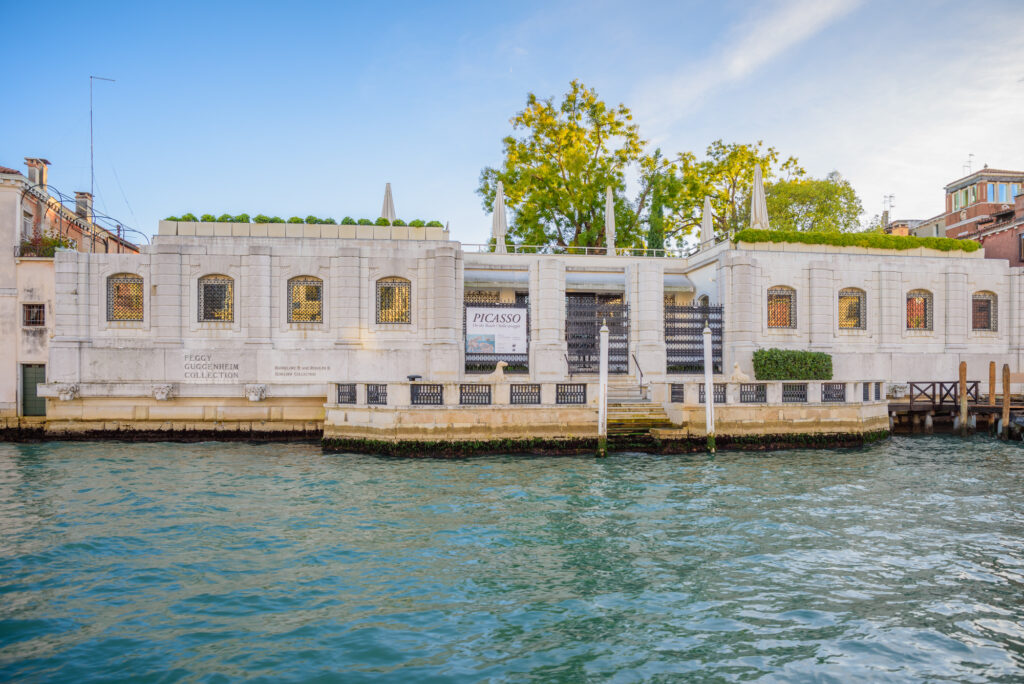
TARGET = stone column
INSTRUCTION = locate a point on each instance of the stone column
(956, 312)
(649, 311)
(819, 300)
(547, 334)
(446, 329)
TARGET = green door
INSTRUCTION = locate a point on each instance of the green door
(31, 403)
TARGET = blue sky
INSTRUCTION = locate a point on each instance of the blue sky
(309, 108)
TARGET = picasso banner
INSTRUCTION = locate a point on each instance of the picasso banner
(495, 330)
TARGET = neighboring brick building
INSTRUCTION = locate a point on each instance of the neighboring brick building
(1002, 235)
(974, 201)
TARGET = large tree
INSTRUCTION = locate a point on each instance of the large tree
(828, 204)
(557, 164)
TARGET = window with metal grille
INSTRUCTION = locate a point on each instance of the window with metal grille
(878, 391)
(852, 309)
(432, 395)
(347, 393)
(678, 393)
(474, 395)
(833, 391)
(376, 393)
(919, 310)
(703, 301)
(216, 299)
(305, 300)
(867, 391)
(983, 311)
(124, 297)
(794, 393)
(571, 393)
(33, 315)
(719, 393)
(482, 296)
(524, 394)
(394, 300)
(753, 393)
(781, 307)
(1021, 247)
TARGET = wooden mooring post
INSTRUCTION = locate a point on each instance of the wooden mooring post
(1005, 422)
(963, 398)
(991, 383)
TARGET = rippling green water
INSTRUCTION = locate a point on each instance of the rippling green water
(214, 562)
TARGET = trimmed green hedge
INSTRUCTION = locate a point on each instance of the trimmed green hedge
(874, 240)
(263, 218)
(789, 364)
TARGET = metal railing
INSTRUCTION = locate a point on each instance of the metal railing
(639, 370)
(584, 251)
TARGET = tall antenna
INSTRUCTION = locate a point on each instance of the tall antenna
(968, 164)
(92, 164)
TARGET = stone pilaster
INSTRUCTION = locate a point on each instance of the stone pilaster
(446, 325)
(169, 294)
(547, 333)
(891, 309)
(956, 312)
(648, 308)
(254, 302)
(819, 299)
(740, 296)
(344, 301)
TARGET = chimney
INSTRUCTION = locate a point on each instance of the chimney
(83, 205)
(885, 221)
(36, 170)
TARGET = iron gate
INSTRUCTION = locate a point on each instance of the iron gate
(485, 362)
(684, 337)
(584, 314)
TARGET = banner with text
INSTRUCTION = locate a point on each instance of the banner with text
(495, 330)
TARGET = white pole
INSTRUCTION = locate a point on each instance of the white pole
(602, 393)
(709, 390)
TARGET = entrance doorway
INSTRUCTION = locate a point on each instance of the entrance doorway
(32, 375)
(584, 314)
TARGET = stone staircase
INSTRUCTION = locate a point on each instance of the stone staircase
(630, 414)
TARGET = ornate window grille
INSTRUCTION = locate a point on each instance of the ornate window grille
(878, 391)
(852, 309)
(919, 310)
(474, 395)
(781, 307)
(678, 394)
(524, 394)
(571, 393)
(867, 391)
(394, 300)
(482, 296)
(376, 394)
(984, 314)
(719, 393)
(427, 395)
(305, 300)
(833, 391)
(124, 297)
(347, 393)
(216, 299)
(794, 393)
(33, 315)
(753, 393)
(684, 337)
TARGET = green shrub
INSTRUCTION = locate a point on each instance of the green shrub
(398, 222)
(875, 240)
(416, 223)
(329, 221)
(365, 222)
(172, 218)
(791, 364)
(348, 221)
(208, 218)
(435, 224)
(241, 218)
(43, 245)
(312, 219)
(189, 217)
(276, 219)
(225, 218)
(382, 222)
(295, 219)
(261, 218)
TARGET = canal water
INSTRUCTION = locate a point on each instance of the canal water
(218, 562)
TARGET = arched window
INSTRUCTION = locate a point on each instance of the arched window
(919, 310)
(852, 309)
(394, 298)
(703, 301)
(124, 297)
(781, 307)
(984, 313)
(216, 299)
(305, 300)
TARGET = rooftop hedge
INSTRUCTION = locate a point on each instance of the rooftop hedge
(262, 218)
(873, 240)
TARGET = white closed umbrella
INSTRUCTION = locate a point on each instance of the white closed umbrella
(499, 223)
(388, 210)
(758, 203)
(707, 229)
(609, 221)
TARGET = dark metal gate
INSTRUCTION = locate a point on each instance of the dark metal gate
(584, 314)
(32, 375)
(684, 337)
(485, 362)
